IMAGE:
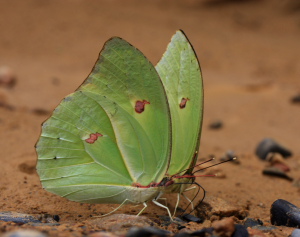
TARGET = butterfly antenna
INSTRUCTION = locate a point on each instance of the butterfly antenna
(204, 194)
(231, 159)
(199, 188)
(183, 211)
(211, 159)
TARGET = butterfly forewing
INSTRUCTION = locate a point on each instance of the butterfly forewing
(180, 72)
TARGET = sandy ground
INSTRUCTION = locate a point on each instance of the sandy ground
(250, 58)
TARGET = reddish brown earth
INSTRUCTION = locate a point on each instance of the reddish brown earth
(250, 58)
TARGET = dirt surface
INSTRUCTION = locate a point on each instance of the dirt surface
(250, 58)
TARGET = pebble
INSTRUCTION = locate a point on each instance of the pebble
(281, 166)
(183, 234)
(20, 218)
(240, 231)
(265, 228)
(276, 160)
(224, 227)
(295, 99)
(214, 206)
(217, 124)
(189, 217)
(121, 222)
(274, 171)
(295, 233)
(203, 232)
(230, 154)
(24, 233)
(102, 234)
(28, 167)
(7, 77)
(255, 232)
(56, 218)
(40, 111)
(285, 213)
(267, 146)
(250, 222)
(44, 224)
(147, 231)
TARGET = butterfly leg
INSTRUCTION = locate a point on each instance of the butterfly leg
(123, 203)
(177, 202)
(188, 189)
(192, 204)
(166, 202)
(145, 206)
(161, 205)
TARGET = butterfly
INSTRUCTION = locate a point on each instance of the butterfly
(131, 132)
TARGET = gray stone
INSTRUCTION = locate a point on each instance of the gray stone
(24, 233)
(121, 222)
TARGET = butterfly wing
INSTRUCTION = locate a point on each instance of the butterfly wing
(179, 70)
(112, 132)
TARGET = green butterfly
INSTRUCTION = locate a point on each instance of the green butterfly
(130, 133)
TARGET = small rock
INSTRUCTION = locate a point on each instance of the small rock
(121, 222)
(55, 81)
(56, 218)
(229, 155)
(213, 206)
(147, 231)
(224, 227)
(183, 234)
(276, 160)
(47, 218)
(28, 167)
(267, 146)
(240, 231)
(102, 234)
(217, 124)
(274, 171)
(255, 232)
(16, 217)
(295, 99)
(265, 228)
(281, 166)
(24, 233)
(285, 213)
(7, 77)
(203, 232)
(43, 224)
(189, 217)
(250, 222)
(40, 111)
(295, 233)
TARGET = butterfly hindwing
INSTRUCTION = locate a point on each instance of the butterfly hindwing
(115, 130)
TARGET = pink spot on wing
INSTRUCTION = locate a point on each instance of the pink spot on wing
(183, 103)
(93, 137)
(140, 106)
